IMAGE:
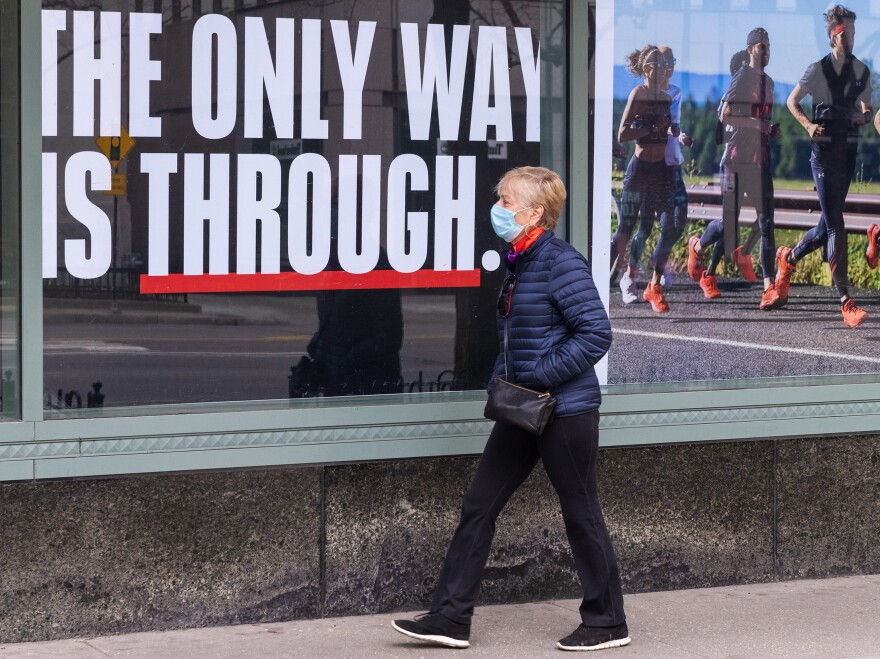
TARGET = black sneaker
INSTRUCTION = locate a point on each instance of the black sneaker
(595, 638)
(435, 628)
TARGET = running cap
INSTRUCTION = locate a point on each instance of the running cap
(757, 36)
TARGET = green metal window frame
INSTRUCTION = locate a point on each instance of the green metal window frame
(10, 208)
(405, 427)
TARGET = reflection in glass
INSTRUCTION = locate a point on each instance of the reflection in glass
(356, 349)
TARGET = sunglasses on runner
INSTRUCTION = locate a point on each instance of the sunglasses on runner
(506, 296)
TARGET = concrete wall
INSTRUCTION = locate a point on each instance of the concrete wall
(161, 552)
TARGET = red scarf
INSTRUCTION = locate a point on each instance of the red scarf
(527, 240)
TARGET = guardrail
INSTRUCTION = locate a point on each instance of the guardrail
(795, 209)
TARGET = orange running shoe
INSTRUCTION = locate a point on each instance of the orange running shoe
(744, 263)
(654, 294)
(784, 270)
(852, 315)
(710, 286)
(873, 251)
(770, 299)
(695, 263)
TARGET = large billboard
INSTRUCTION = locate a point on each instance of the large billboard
(285, 200)
(736, 185)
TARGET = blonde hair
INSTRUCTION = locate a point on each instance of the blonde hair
(536, 186)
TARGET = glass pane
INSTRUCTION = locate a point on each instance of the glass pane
(10, 204)
(302, 194)
(704, 148)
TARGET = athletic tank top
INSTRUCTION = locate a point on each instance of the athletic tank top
(653, 113)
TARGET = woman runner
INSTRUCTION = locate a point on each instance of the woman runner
(648, 184)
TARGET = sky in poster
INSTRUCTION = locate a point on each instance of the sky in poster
(704, 34)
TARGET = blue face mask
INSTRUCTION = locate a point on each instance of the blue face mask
(504, 222)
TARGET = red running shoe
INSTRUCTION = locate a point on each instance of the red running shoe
(784, 270)
(710, 286)
(744, 263)
(695, 263)
(873, 251)
(654, 295)
(852, 315)
(770, 299)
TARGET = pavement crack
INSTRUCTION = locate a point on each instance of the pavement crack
(95, 648)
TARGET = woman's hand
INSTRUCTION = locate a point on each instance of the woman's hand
(662, 125)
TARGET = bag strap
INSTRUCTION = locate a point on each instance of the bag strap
(506, 322)
(506, 377)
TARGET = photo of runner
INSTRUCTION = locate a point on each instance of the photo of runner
(840, 85)
(648, 184)
(746, 114)
(676, 139)
(764, 214)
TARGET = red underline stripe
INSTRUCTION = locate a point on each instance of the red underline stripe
(323, 281)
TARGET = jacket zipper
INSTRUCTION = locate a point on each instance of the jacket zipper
(546, 394)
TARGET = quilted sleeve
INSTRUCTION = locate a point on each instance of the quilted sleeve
(497, 370)
(574, 294)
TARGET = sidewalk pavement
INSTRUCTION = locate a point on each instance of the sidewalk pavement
(798, 619)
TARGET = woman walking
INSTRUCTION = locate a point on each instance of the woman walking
(557, 329)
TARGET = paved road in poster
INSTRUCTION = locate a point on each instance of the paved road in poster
(729, 337)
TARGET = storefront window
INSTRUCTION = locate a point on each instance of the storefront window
(10, 205)
(708, 162)
(261, 201)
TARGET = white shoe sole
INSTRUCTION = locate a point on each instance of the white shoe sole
(430, 638)
(627, 289)
(619, 643)
(628, 293)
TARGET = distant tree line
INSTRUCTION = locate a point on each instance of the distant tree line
(790, 154)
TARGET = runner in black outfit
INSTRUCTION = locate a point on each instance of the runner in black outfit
(745, 111)
(840, 85)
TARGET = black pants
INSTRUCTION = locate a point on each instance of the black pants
(832, 173)
(568, 450)
(648, 194)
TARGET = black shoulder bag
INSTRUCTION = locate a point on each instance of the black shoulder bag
(524, 408)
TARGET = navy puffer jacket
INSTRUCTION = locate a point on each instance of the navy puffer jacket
(557, 327)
